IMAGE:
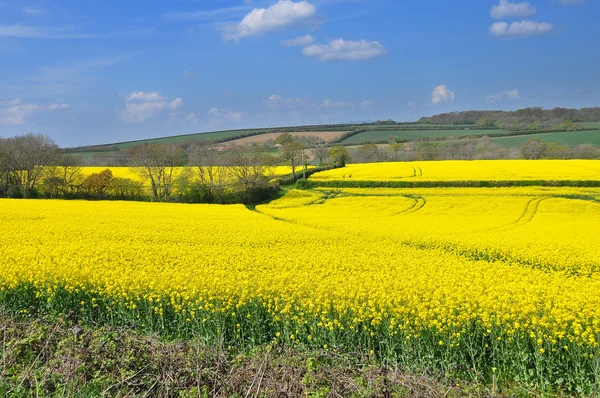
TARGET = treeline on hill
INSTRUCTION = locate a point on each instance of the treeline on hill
(469, 149)
(523, 119)
(32, 166)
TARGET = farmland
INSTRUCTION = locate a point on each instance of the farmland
(481, 284)
(378, 136)
(477, 170)
(562, 138)
(326, 136)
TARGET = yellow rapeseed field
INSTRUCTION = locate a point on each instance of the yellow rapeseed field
(473, 281)
(127, 172)
(460, 170)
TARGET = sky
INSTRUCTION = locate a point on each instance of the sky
(86, 72)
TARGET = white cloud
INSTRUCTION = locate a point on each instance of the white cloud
(13, 112)
(220, 115)
(345, 50)
(189, 74)
(298, 41)
(327, 103)
(507, 9)
(520, 29)
(191, 118)
(142, 96)
(176, 117)
(284, 13)
(504, 95)
(442, 93)
(411, 104)
(145, 106)
(276, 101)
(366, 103)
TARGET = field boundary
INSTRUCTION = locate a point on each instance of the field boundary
(310, 184)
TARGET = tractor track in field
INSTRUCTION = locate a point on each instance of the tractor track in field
(419, 203)
(525, 218)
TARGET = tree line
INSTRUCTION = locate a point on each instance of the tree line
(536, 118)
(33, 166)
(469, 149)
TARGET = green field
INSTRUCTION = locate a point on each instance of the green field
(564, 138)
(591, 125)
(382, 136)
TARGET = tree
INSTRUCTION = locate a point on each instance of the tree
(249, 167)
(292, 153)
(533, 149)
(97, 184)
(27, 158)
(284, 138)
(157, 163)
(4, 167)
(339, 155)
(208, 163)
(368, 153)
(321, 154)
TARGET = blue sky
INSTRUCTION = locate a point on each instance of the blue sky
(97, 72)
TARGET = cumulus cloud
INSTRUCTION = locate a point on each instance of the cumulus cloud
(14, 112)
(504, 95)
(507, 9)
(520, 29)
(299, 41)
(218, 115)
(411, 104)
(140, 95)
(442, 93)
(276, 101)
(143, 106)
(366, 103)
(283, 14)
(327, 103)
(345, 50)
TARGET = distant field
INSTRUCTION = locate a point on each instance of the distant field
(262, 138)
(460, 170)
(592, 125)
(564, 138)
(403, 134)
(126, 172)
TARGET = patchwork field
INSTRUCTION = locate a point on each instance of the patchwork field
(490, 285)
(326, 136)
(564, 138)
(406, 134)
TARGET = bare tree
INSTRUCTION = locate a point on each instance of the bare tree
(368, 153)
(209, 164)
(249, 168)
(157, 164)
(292, 153)
(4, 167)
(321, 154)
(27, 158)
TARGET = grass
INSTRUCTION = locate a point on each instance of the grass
(591, 125)
(563, 138)
(383, 136)
(61, 357)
